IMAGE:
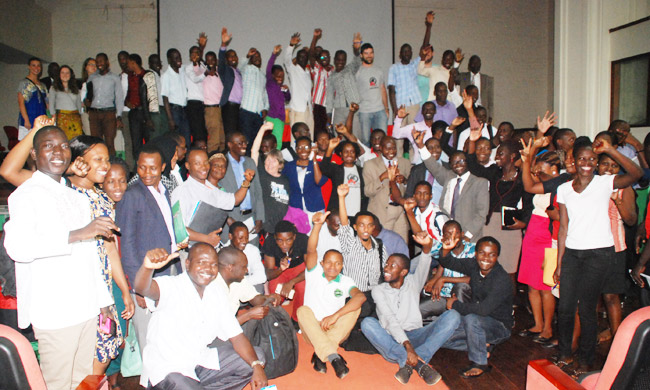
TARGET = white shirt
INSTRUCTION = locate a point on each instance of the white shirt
(589, 224)
(165, 210)
(324, 297)
(124, 79)
(194, 81)
(300, 83)
(464, 136)
(451, 185)
(326, 241)
(58, 284)
(191, 192)
(181, 327)
(436, 74)
(432, 219)
(176, 172)
(476, 81)
(173, 86)
(352, 178)
(237, 292)
(256, 271)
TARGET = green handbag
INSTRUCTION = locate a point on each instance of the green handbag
(131, 360)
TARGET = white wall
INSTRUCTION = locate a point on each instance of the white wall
(514, 39)
(584, 52)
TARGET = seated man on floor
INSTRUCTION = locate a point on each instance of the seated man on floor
(446, 282)
(326, 319)
(328, 238)
(233, 266)
(487, 319)
(398, 334)
(189, 312)
(256, 275)
(284, 259)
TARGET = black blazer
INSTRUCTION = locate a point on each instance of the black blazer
(142, 227)
(227, 75)
(336, 173)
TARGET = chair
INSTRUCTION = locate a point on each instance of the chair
(20, 369)
(12, 136)
(627, 365)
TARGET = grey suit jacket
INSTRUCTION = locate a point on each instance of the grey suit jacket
(474, 202)
(486, 87)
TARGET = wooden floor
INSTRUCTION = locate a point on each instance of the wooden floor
(509, 361)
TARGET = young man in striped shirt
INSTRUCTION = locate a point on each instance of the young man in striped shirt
(319, 61)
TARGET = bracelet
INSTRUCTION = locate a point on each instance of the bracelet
(257, 363)
(245, 184)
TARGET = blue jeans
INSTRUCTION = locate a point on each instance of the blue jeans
(473, 333)
(426, 340)
(371, 121)
(182, 124)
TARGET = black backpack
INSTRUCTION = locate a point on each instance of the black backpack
(276, 336)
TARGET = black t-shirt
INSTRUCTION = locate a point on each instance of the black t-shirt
(551, 185)
(275, 192)
(297, 252)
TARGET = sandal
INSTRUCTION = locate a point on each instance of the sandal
(563, 361)
(484, 368)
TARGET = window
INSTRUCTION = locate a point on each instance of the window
(631, 90)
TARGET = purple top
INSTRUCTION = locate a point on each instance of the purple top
(445, 113)
(277, 97)
(237, 90)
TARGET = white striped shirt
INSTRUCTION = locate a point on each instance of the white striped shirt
(319, 77)
(359, 263)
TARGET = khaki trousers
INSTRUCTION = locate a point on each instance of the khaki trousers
(67, 354)
(214, 126)
(327, 342)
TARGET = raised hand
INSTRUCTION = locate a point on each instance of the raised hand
(295, 39)
(80, 167)
(457, 121)
(428, 20)
(266, 127)
(225, 37)
(426, 53)
(418, 137)
(42, 121)
(202, 40)
(392, 172)
(545, 123)
(526, 151)
(467, 101)
(449, 243)
(319, 218)
(409, 205)
(334, 142)
(601, 146)
(251, 52)
(459, 55)
(158, 258)
(356, 40)
(475, 132)
(277, 49)
(342, 190)
(423, 238)
(249, 174)
(401, 112)
(318, 33)
(354, 107)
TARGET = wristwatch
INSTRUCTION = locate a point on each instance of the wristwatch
(257, 363)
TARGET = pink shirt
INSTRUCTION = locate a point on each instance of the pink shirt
(405, 132)
(212, 88)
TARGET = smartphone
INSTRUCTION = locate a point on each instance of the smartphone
(107, 325)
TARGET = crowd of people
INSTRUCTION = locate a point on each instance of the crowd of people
(380, 244)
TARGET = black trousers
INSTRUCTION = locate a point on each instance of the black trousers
(140, 132)
(196, 117)
(249, 123)
(230, 116)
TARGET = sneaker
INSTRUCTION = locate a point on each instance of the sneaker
(404, 374)
(430, 376)
(340, 368)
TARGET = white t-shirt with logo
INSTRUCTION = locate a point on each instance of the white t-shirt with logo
(352, 178)
(324, 297)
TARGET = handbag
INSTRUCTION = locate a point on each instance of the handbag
(549, 266)
(131, 360)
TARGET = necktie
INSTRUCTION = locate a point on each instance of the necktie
(454, 200)
(429, 178)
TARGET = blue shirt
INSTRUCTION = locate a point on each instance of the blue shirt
(469, 251)
(238, 170)
(405, 80)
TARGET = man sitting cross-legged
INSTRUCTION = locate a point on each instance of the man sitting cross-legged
(189, 312)
(326, 319)
(398, 334)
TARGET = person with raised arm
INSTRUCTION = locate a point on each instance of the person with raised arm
(301, 84)
(278, 95)
(342, 89)
(192, 306)
(326, 319)
(233, 88)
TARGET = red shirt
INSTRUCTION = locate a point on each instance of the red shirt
(133, 92)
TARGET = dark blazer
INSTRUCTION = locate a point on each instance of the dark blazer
(474, 202)
(227, 74)
(418, 174)
(486, 88)
(336, 173)
(142, 227)
(311, 191)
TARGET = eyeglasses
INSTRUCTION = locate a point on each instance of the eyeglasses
(303, 147)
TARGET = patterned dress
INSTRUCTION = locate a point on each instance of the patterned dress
(107, 347)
